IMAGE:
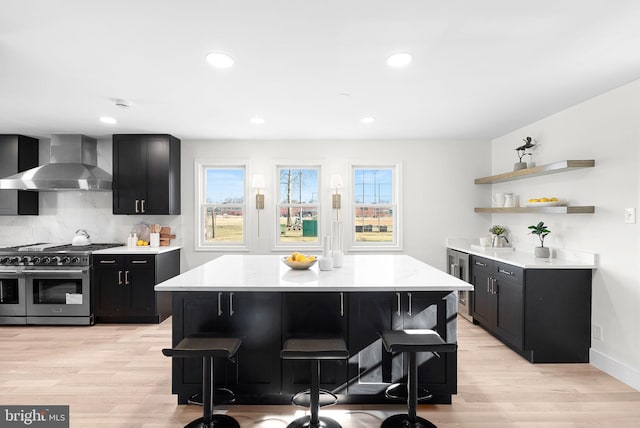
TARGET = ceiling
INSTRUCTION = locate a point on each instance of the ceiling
(311, 69)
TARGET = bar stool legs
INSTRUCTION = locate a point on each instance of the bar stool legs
(411, 419)
(208, 419)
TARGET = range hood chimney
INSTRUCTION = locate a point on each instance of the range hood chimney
(73, 166)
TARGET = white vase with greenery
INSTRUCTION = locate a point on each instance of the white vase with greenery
(541, 230)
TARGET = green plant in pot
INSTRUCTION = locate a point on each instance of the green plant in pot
(499, 239)
(542, 231)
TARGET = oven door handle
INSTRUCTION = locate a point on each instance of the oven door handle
(56, 272)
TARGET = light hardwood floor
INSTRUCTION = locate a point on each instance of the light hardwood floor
(115, 376)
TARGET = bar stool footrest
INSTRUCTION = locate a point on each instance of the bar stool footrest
(398, 391)
(302, 398)
(402, 421)
(222, 396)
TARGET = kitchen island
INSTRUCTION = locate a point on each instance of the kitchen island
(265, 301)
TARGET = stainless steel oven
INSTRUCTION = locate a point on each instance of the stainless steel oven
(58, 295)
(47, 284)
(12, 296)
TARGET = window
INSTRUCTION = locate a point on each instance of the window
(375, 207)
(221, 220)
(298, 206)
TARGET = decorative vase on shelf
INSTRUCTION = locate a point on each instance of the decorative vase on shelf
(336, 247)
(519, 165)
(542, 252)
(325, 262)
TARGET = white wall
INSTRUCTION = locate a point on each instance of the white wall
(438, 200)
(607, 129)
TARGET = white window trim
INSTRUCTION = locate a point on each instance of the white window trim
(398, 212)
(199, 196)
(322, 207)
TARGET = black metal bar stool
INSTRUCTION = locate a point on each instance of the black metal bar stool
(411, 342)
(208, 348)
(314, 350)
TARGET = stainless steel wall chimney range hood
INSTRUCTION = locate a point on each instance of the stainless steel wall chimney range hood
(73, 166)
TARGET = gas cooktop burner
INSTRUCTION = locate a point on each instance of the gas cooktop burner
(47, 254)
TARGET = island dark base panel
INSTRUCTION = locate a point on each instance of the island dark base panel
(265, 319)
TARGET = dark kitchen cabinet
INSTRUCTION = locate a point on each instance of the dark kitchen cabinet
(146, 174)
(371, 368)
(311, 315)
(543, 314)
(18, 153)
(123, 286)
(254, 316)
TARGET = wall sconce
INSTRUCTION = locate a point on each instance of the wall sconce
(336, 183)
(258, 184)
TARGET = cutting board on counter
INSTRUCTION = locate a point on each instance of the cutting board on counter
(166, 236)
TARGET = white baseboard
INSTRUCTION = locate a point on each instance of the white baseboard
(619, 370)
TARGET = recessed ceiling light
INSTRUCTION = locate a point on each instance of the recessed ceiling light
(219, 60)
(399, 60)
(368, 119)
(108, 120)
(257, 120)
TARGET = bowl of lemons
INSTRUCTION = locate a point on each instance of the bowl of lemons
(299, 261)
(544, 202)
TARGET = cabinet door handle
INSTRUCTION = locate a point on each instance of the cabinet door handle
(1, 292)
(506, 272)
(137, 211)
(341, 304)
(494, 286)
(410, 304)
(219, 303)
(230, 304)
(119, 277)
(126, 277)
(142, 206)
(477, 263)
(488, 285)
(398, 310)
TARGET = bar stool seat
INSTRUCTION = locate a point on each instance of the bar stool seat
(208, 348)
(314, 350)
(411, 342)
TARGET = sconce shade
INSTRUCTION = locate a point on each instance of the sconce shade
(258, 181)
(336, 181)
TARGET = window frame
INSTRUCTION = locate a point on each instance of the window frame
(200, 167)
(292, 246)
(396, 243)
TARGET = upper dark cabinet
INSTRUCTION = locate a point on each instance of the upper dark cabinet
(146, 174)
(18, 153)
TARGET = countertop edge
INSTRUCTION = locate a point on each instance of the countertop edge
(551, 263)
(138, 250)
(307, 288)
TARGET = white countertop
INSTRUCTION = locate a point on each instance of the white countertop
(566, 259)
(359, 273)
(138, 250)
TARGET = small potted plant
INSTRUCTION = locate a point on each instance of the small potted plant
(522, 152)
(541, 230)
(498, 235)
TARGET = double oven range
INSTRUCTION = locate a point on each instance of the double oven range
(47, 284)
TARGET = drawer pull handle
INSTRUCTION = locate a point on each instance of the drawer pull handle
(107, 262)
(480, 264)
(506, 272)
(139, 262)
